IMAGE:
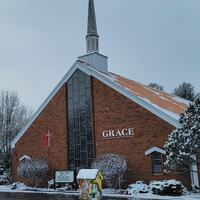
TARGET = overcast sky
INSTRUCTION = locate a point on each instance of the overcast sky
(145, 40)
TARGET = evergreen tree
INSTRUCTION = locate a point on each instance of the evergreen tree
(185, 90)
(156, 86)
(197, 96)
(183, 144)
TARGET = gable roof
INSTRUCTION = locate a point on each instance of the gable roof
(166, 106)
(154, 149)
(167, 103)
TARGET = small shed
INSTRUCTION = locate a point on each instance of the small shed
(90, 183)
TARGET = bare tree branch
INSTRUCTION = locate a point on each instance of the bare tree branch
(13, 116)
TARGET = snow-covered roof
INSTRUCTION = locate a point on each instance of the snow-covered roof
(24, 157)
(168, 103)
(154, 149)
(87, 174)
(164, 105)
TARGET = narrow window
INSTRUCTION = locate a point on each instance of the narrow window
(157, 163)
(88, 45)
(80, 121)
(93, 48)
(97, 44)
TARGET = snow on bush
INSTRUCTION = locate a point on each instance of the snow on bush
(34, 170)
(19, 186)
(113, 168)
(138, 187)
(4, 176)
(167, 187)
(4, 179)
(3, 167)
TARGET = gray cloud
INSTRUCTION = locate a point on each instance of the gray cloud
(147, 41)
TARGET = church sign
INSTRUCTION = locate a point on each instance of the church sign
(120, 133)
(64, 176)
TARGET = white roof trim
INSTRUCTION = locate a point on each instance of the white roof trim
(155, 149)
(130, 95)
(44, 104)
(98, 75)
(25, 157)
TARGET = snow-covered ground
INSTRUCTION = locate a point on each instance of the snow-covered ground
(190, 196)
(7, 189)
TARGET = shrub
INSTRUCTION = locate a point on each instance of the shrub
(112, 167)
(167, 187)
(138, 187)
(4, 175)
(4, 179)
(2, 167)
(34, 170)
(18, 186)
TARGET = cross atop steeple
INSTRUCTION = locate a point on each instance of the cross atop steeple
(92, 38)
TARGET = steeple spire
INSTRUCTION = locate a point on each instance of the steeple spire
(93, 58)
(92, 38)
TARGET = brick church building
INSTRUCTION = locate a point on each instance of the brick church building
(92, 112)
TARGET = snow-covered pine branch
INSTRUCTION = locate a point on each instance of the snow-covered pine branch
(183, 144)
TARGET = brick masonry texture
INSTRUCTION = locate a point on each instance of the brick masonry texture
(111, 110)
(52, 118)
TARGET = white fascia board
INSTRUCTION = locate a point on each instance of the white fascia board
(154, 149)
(131, 96)
(44, 104)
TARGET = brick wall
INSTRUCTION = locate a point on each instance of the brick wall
(52, 118)
(111, 111)
(114, 111)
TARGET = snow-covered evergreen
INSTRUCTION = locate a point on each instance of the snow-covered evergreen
(156, 86)
(183, 144)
